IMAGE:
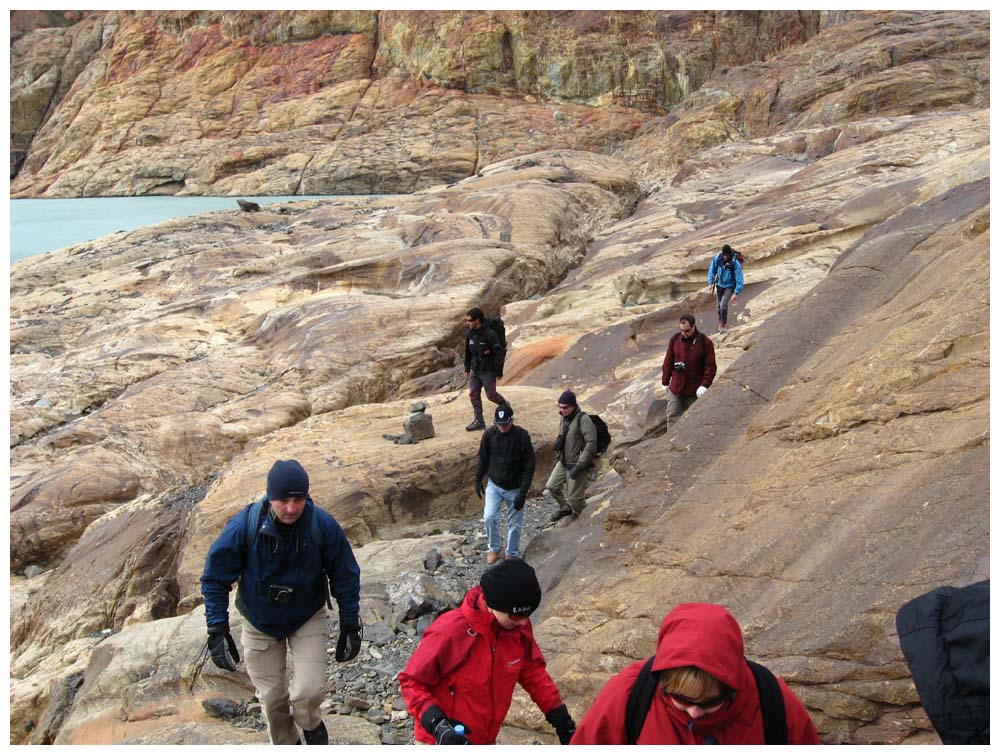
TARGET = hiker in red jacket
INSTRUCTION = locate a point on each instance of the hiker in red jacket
(464, 670)
(705, 692)
(688, 368)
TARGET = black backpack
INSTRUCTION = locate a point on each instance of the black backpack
(603, 434)
(496, 325)
(772, 704)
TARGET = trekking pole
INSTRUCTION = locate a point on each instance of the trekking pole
(198, 664)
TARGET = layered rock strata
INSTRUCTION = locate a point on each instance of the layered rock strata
(348, 102)
(837, 467)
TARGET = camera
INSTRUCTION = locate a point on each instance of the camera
(679, 366)
(280, 594)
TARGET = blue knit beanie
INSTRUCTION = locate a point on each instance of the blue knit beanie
(287, 479)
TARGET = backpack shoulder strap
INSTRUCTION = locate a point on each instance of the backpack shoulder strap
(316, 536)
(772, 705)
(315, 533)
(253, 522)
(639, 700)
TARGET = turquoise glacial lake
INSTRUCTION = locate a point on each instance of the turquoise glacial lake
(43, 225)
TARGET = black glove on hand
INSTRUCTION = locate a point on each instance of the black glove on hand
(442, 728)
(222, 646)
(575, 472)
(479, 486)
(564, 724)
(519, 500)
(349, 642)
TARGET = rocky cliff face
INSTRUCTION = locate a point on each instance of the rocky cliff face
(338, 102)
(837, 467)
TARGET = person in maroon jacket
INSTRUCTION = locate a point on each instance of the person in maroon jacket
(706, 693)
(464, 670)
(688, 368)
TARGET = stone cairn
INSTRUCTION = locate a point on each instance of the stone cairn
(417, 427)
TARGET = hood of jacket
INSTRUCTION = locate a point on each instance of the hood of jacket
(481, 620)
(706, 636)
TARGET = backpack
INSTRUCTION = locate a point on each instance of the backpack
(253, 526)
(772, 704)
(603, 434)
(737, 257)
(496, 325)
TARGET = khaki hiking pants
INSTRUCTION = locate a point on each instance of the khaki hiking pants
(287, 703)
(569, 494)
(676, 406)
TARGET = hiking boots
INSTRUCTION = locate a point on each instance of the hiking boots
(476, 424)
(559, 515)
(317, 736)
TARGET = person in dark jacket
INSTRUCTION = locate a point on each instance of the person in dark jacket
(688, 368)
(464, 670)
(576, 448)
(507, 459)
(283, 571)
(945, 636)
(706, 692)
(726, 275)
(482, 365)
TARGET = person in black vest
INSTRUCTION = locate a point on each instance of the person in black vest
(945, 636)
(688, 368)
(482, 347)
(507, 458)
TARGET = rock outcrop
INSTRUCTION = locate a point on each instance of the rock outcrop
(837, 467)
(349, 102)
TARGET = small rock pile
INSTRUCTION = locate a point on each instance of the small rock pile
(368, 686)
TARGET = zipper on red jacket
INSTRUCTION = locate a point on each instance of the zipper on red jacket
(493, 681)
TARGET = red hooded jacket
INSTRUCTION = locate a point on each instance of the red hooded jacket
(706, 636)
(467, 665)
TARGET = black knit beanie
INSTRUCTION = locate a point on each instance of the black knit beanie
(568, 398)
(512, 587)
(287, 479)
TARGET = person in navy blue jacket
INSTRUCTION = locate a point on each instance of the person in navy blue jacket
(726, 274)
(287, 569)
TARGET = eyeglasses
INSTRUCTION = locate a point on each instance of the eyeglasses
(520, 615)
(708, 703)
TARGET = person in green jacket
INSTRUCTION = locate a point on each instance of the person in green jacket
(576, 448)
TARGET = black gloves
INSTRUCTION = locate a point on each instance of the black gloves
(479, 486)
(564, 724)
(442, 728)
(519, 500)
(575, 472)
(349, 642)
(222, 646)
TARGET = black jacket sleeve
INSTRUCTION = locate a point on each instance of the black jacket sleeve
(483, 460)
(527, 463)
(945, 636)
(468, 353)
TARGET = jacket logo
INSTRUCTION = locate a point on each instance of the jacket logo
(513, 662)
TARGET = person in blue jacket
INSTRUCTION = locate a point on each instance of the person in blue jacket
(726, 274)
(286, 570)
